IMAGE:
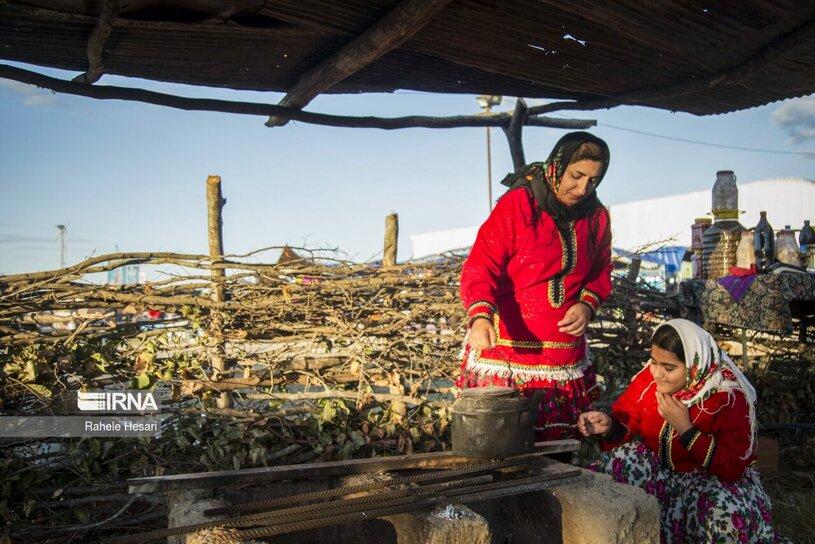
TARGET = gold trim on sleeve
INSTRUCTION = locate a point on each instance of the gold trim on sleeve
(480, 304)
(588, 293)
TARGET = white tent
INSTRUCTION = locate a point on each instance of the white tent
(433, 243)
(787, 201)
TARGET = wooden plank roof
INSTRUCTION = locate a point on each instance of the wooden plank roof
(693, 56)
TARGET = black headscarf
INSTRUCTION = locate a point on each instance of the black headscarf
(543, 179)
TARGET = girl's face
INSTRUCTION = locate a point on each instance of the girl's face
(579, 179)
(668, 371)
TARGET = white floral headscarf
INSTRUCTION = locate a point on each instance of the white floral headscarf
(710, 370)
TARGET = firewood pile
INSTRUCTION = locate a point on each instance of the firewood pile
(340, 325)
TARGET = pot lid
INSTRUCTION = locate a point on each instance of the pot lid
(491, 391)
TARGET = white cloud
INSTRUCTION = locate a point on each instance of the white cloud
(797, 118)
(40, 100)
(32, 95)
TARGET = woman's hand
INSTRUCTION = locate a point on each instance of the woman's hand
(576, 319)
(590, 423)
(482, 334)
(674, 412)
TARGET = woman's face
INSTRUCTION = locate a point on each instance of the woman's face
(579, 179)
(668, 371)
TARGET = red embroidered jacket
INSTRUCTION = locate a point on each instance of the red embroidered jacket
(721, 439)
(525, 275)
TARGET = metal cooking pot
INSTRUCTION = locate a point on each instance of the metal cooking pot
(494, 422)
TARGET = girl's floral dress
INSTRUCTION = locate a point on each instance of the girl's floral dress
(697, 507)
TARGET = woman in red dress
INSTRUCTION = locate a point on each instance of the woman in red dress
(684, 431)
(539, 268)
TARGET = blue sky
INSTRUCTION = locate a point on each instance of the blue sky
(131, 176)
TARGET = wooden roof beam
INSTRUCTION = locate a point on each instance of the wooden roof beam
(96, 42)
(108, 92)
(400, 23)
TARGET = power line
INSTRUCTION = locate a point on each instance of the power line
(810, 154)
(711, 144)
(18, 226)
(510, 101)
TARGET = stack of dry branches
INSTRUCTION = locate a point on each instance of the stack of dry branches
(315, 323)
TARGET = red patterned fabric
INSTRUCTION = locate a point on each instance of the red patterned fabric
(524, 274)
(530, 275)
(723, 421)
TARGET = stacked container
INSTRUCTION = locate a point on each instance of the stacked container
(700, 225)
(721, 240)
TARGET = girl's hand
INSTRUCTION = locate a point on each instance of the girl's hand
(674, 412)
(482, 334)
(590, 423)
(576, 319)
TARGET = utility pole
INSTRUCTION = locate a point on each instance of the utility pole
(489, 165)
(486, 103)
(62, 232)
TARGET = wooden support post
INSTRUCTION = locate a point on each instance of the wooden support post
(396, 27)
(514, 134)
(391, 238)
(745, 360)
(803, 323)
(215, 203)
(632, 305)
(634, 269)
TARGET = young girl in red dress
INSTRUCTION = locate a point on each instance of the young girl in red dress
(684, 430)
(539, 268)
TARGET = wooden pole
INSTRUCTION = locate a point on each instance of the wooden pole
(514, 134)
(489, 170)
(107, 92)
(634, 269)
(398, 26)
(391, 237)
(215, 204)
